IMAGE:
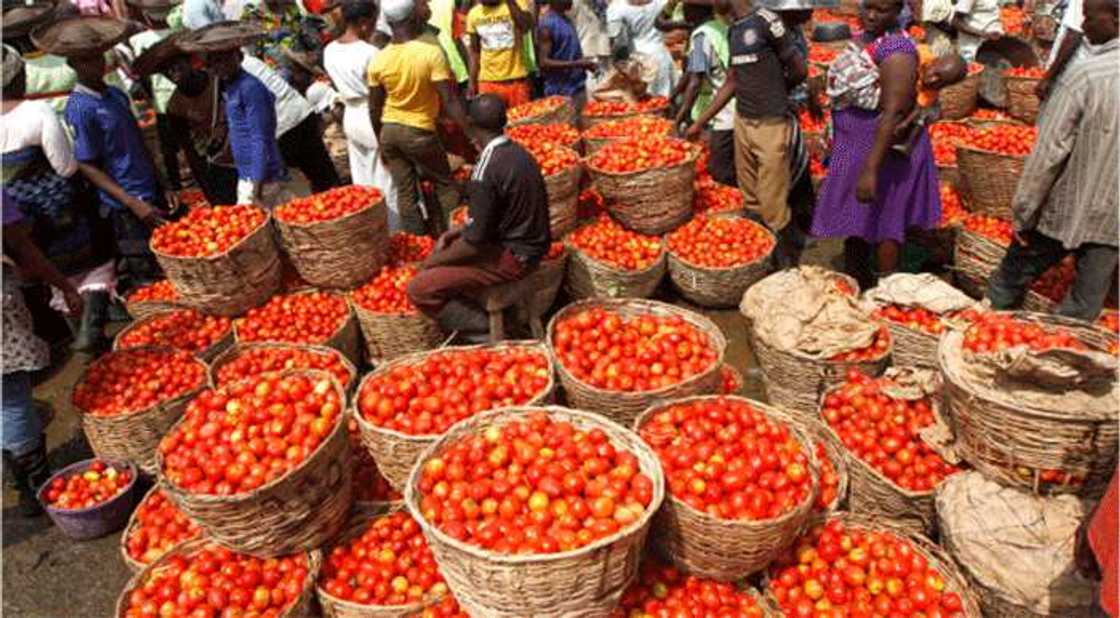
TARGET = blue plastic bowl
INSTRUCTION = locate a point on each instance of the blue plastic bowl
(100, 519)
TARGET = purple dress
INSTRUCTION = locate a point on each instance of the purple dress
(907, 193)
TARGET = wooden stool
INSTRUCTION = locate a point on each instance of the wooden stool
(531, 296)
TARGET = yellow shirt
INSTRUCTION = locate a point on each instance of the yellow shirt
(407, 71)
(501, 55)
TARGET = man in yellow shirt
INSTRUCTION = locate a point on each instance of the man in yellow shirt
(497, 30)
(409, 82)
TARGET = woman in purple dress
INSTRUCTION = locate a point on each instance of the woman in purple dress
(875, 193)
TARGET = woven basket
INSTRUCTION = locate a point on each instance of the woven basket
(959, 100)
(1011, 444)
(563, 199)
(146, 308)
(951, 175)
(301, 510)
(717, 287)
(911, 347)
(588, 277)
(229, 283)
(390, 335)
(395, 452)
(340, 253)
(235, 352)
(623, 407)
(729, 549)
(652, 201)
(303, 608)
(593, 144)
(835, 452)
(133, 437)
(1022, 102)
(134, 565)
(990, 180)
(580, 583)
(591, 121)
(345, 339)
(564, 114)
(975, 259)
(206, 355)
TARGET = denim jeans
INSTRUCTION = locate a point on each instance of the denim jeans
(22, 427)
(1025, 263)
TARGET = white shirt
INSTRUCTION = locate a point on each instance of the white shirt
(201, 13)
(346, 64)
(640, 21)
(982, 15)
(592, 32)
(34, 123)
(1071, 21)
(291, 107)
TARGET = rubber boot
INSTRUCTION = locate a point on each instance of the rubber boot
(29, 472)
(90, 337)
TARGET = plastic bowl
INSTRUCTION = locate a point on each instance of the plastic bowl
(99, 519)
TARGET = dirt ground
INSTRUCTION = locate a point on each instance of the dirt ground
(46, 575)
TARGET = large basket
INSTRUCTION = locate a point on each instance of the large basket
(229, 283)
(729, 549)
(563, 199)
(959, 100)
(303, 608)
(621, 406)
(207, 355)
(579, 583)
(564, 114)
(133, 437)
(345, 339)
(990, 180)
(1022, 102)
(652, 201)
(395, 452)
(717, 287)
(975, 259)
(911, 347)
(593, 144)
(588, 277)
(390, 335)
(135, 565)
(235, 352)
(1011, 441)
(301, 510)
(340, 253)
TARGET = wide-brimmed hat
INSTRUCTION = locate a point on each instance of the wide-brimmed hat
(19, 20)
(222, 36)
(12, 65)
(302, 60)
(80, 36)
(157, 8)
(156, 57)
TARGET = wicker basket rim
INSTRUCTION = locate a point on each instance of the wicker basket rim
(136, 323)
(466, 427)
(988, 153)
(722, 269)
(979, 238)
(223, 254)
(568, 246)
(694, 153)
(566, 101)
(105, 357)
(584, 133)
(303, 292)
(356, 307)
(134, 522)
(339, 219)
(1019, 78)
(620, 115)
(236, 350)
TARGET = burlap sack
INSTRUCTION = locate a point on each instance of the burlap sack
(922, 290)
(1016, 548)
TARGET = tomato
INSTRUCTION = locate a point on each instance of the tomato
(1031, 72)
(879, 346)
(304, 317)
(712, 197)
(161, 290)
(952, 210)
(552, 157)
(995, 332)
(160, 526)
(607, 241)
(640, 153)
(914, 318)
(598, 109)
(716, 242)
(536, 108)
(630, 127)
(131, 380)
(98, 483)
(405, 247)
(207, 231)
(184, 329)
(559, 133)
(1008, 139)
(327, 206)
(255, 361)
(387, 291)
(664, 591)
(730, 380)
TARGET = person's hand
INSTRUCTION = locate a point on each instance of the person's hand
(144, 211)
(866, 186)
(993, 36)
(693, 132)
(588, 64)
(73, 300)
(1042, 88)
(1020, 236)
(472, 90)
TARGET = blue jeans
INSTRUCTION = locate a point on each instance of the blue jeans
(1023, 264)
(21, 425)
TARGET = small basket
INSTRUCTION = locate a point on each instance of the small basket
(621, 406)
(395, 452)
(301, 510)
(304, 607)
(717, 287)
(563, 199)
(229, 283)
(1012, 443)
(1022, 102)
(990, 180)
(391, 335)
(340, 253)
(580, 583)
(975, 259)
(206, 355)
(959, 100)
(563, 114)
(99, 519)
(588, 277)
(345, 339)
(729, 549)
(134, 565)
(653, 201)
(235, 352)
(134, 437)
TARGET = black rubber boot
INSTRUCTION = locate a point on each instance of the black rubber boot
(29, 472)
(90, 336)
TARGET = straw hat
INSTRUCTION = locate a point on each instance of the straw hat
(155, 8)
(80, 36)
(19, 20)
(156, 57)
(222, 36)
(303, 61)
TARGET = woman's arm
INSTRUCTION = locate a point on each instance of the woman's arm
(897, 75)
(18, 243)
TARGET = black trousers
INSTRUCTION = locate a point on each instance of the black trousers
(167, 132)
(302, 148)
(721, 163)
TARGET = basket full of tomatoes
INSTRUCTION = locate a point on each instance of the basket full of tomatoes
(155, 528)
(991, 160)
(647, 181)
(222, 260)
(1027, 433)
(610, 261)
(246, 360)
(600, 487)
(724, 517)
(562, 172)
(914, 333)
(335, 239)
(979, 248)
(155, 297)
(205, 336)
(959, 100)
(1022, 102)
(90, 498)
(549, 110)
(263, 464)
(129, 398)
(391, 324)
(598, 112)
(714, 259)
(604, 133)
(312, 317)
(661, 590)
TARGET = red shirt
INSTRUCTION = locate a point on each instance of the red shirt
(1103, 538)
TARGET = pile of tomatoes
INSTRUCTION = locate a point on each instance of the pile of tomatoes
(992, 228)
(387, 292)
(533, 485)
(555, 250)
(730, 460)
(821, 54)
(664, 591)
(984, 113)
(640, 154)
(249, 433)
(712, 197)
(560, 133)
(884, 432)
(1014, 21)
(448, 607)
(255, 361)
(630, 127)
(608, 351)
(591, 203)
(309, 317)
(131, 380)
(207, 231)
(813, 125)
(430, 395)
(720, 242)
(215, 581)
(160, 291)
(829, 481)
(729, 380)
(535, 108)
(596, 109)
(552, 157)
(389, 563)
(914, 318)
(952, 210)
(1031, 72)
(879, 346)
(607, 241)
(328, 205)
(184, 329)
(99, 483)
(994, 332)
(944, 136)
(839, 570)
(159, 527)
(405, 247)
(1007, 139)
